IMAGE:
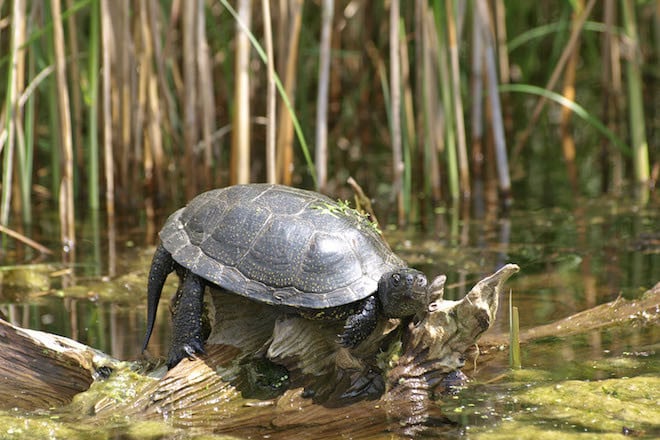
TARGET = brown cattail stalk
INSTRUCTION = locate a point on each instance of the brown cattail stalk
(395, 111)
(271, 101)
(240, 152)
(107, 48)
(285, 130)
(322, 97)
(67, 234)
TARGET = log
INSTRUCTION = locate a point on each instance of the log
(386, 381)
(644, 311)
(327, 383)
(42, 370)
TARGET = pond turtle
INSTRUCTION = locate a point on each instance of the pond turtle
(287, 247)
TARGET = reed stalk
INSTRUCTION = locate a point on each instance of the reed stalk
(285, 126)
(444, 78)
(514, 336)
(503, 59)
(409, 138)
(124, 85)
(189, 97)
(457, 108)
(612, 82)
(321, 149)
(141, 138)
(166, 104)
(635, 99)
(28, 140)
(476, 92)
(206, 87)
(420, 185)
(11, 108)
(567, 141)
(240, 166)
(93, 115)
(271, 101)
(433, 122)
(54, 126)
(161, 101)
(26, 240)
(501, 38)
(23, 122)
(108, 157)
(497, 120)
(67, 213)
(76, 95)
(283, 90)
(395, 121)
(554, 77)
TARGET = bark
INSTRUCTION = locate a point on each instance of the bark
(41, 370)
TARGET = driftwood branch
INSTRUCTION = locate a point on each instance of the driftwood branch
(644, 311)
(42, 370)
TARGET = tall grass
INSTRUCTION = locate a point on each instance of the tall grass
(106, 106)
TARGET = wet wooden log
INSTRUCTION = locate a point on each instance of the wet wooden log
(390, 386)
(39, 370)
(42, 370)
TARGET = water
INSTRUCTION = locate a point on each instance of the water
(571, 259)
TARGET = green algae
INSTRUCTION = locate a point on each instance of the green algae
(567, 409)
(123, 385)
(23, 425)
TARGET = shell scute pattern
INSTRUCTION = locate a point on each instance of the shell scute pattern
(328, 264)
(197, 222)
(233, 235)
(274, 258)
(279, 245)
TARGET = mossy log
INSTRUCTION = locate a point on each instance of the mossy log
(387, 379)
(42, 370)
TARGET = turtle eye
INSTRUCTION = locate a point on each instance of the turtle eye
(396, 279)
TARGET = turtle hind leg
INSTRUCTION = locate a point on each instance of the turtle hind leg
(161, 266)
(360, 324)
(187, 339)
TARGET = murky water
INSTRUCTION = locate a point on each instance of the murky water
(571, 260)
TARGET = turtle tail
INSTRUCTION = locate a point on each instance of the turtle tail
(161, 266)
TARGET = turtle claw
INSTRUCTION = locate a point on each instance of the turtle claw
(193, 351)
(188, 351)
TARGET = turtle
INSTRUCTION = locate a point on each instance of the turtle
(287, 247)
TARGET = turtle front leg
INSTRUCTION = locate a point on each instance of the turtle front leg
(187, 338)
(360, 324)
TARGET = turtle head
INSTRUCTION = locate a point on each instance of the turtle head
(403, 292)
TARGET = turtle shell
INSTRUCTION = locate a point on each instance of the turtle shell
(279, 245)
